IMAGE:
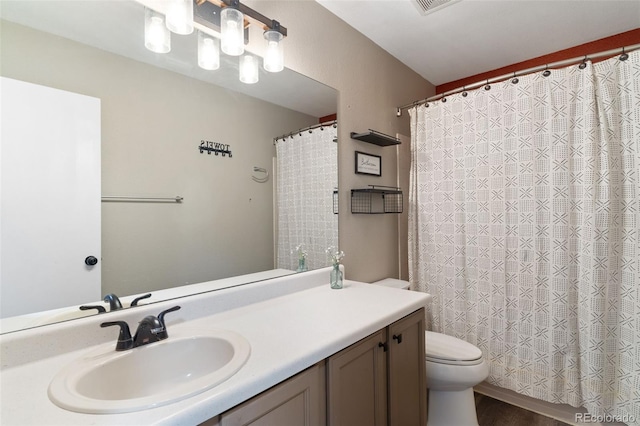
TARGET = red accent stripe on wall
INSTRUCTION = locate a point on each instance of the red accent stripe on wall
(613, 42)
(326, 118)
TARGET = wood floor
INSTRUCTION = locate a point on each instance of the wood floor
(492, 412)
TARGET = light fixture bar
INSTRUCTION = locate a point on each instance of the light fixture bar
(250, 13)
(207, 14)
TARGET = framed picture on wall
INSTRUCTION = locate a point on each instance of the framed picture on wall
(368, 164)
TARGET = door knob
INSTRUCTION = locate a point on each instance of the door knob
(90, 260)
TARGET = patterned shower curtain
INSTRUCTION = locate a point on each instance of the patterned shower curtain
(307, 175)
(524, 225)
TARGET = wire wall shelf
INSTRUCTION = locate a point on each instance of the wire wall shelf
(376, 200)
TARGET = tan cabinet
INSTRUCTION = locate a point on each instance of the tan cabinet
(357, 383)
(377, 381)
(381, 379)
(299, 401)
(406, 364)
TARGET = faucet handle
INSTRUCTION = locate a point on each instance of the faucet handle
(101, 309)
(125, 341)
(162, 314)
(163, 334)
(137, 299)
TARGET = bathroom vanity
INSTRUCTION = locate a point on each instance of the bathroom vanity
(376, 381)
(318, 356)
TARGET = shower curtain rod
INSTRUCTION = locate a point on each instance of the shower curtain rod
(333, 123)
(565, 62)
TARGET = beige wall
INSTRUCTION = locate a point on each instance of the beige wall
(152, 123)
(371, 84)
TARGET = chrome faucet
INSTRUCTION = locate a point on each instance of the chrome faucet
(151, 329)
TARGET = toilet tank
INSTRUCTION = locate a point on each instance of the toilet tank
(393, 282)
(399, 284)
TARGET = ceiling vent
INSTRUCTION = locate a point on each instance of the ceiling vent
(426, 7)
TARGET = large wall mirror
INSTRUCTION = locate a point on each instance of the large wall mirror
(232, 226)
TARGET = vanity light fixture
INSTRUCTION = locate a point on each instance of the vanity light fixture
(180, 16)
(248, 69)
(157, 37)
(235, 17)
(208, 51)
(274, 56)
(222, 25)
(232, 29)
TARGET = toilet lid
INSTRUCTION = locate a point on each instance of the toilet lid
(448, 349)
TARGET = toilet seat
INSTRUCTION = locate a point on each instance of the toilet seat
(443, 349)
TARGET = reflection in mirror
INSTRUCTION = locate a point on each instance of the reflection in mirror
(156, 112)
(306, 171)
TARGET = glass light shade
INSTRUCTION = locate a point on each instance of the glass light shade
(274, 56)
(180, 16)
(232, 31)
(157, 37)
(249, 69)
(208, 51)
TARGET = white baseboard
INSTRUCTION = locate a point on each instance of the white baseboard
(563, 412)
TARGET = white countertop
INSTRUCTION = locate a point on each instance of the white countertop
(287, 334)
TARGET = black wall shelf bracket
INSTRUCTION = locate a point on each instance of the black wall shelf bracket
(376, 138)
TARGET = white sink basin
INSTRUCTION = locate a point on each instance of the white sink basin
(183, 365)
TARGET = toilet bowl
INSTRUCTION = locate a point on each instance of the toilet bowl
(453, 367)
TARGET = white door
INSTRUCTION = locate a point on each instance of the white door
(49, 198)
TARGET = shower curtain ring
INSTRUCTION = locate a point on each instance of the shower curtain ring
(464, 92)
(487, 86)
(624, 56)
(583, 64)
(546, 72)
(514, 80)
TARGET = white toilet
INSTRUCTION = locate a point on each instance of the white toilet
(453, 367)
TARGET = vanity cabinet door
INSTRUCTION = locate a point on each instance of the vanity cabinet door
(299, 401)
(407, 381)
(357, 384)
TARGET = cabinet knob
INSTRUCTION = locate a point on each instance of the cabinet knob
(398, 337)
(383, 346)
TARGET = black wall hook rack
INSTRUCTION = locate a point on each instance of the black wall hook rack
(215, 147)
